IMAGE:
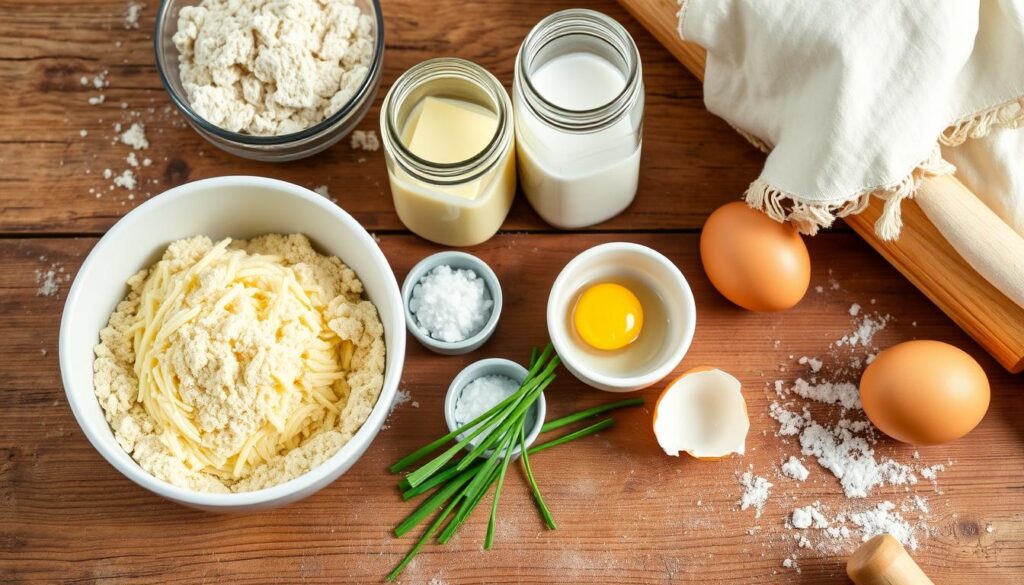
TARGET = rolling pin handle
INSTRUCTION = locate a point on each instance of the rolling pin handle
(883, 561)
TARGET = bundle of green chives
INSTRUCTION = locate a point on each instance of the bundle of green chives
(462, 484)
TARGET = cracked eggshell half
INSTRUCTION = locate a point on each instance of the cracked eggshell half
(703, 414)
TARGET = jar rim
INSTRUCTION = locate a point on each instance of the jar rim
(458, 172)
(579, 21)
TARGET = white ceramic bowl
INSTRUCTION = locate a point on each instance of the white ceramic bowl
(240, 207)
(622, 259)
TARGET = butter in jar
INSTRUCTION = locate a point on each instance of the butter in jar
(578, 96)
(449, 142)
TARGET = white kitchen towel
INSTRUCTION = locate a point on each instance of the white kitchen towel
(993, 168)
(854, 98)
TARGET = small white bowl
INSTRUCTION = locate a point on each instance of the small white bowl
(239, 207)
(456, 260)
(619, 259)
(493, 367)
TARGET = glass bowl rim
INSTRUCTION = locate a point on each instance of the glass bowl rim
(181, 102)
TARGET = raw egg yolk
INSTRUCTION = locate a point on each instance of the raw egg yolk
(608, 316)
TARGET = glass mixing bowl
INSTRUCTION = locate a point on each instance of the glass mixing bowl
(267, 148)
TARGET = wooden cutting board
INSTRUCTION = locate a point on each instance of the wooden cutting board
(921, 253)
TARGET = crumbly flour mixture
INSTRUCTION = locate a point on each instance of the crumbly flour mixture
(263, 387)
(272, 67)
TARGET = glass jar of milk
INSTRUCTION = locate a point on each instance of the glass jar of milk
(578, 96)
(449, 142)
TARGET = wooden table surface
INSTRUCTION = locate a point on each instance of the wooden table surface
(626, 512)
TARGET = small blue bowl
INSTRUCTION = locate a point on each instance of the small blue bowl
(456, 260)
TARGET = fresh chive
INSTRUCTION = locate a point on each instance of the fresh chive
(525, 453)
(423, 540)
(460, 485)
(568, 420)
(434, 465)
(423, 451)
(534, 449)
(434, 481)
(411, 492)
(515, 415)
(511, 406)
(470, 504)
(510, 445)
(594, 428)
(431, 504)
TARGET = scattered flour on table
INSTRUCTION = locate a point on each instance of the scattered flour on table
(365, 140)
(272, 67)
(402, 396)
(884, 519)
(822, 410)
(865, 331)
(813, 363)
(49, 279)
(135, 137)
(755, 492)
(126, 180)
(808, 516)
(845, 394)
(794, 469)
(131, 14)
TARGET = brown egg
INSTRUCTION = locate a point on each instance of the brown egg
(924, 392)
(753, 260)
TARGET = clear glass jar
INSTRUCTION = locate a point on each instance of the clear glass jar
(430, 197)
(578, 97)
(286, 147)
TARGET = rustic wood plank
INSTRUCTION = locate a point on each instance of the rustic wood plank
(51, 175)
(627, 513)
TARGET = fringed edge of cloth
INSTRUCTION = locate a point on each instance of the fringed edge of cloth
(808, 218)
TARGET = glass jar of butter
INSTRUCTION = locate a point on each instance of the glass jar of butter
(578, 96)
(449, 141)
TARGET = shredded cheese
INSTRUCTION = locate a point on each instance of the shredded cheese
(301, 396)
(226, 359)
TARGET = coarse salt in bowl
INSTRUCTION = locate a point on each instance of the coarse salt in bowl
(237, 207)
(455, 260)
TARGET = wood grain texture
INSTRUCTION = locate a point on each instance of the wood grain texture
(691, 161)
(627, 513)
(921, 253)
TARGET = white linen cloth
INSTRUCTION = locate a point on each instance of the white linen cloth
(856, 97)
(993, 167)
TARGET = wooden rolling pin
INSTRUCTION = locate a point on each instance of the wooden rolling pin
(883, 561)
(922, 253)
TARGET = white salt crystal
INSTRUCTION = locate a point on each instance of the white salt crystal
(451, 305)
(795, 469)
(481, 395)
